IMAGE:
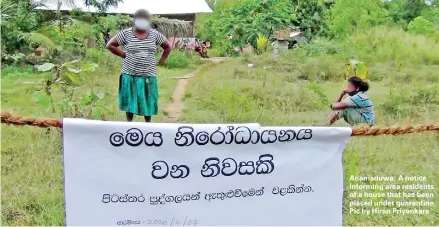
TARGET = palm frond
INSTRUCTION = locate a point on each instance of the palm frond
(37, 38)
(172, 27)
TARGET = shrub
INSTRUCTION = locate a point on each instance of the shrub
(17, 71)
(179, 60)
(323, 68)
(396, 104)
(103, 58)
(426, 95)
(319, 47)
(421, 26)
(215, 52)
(404, 102)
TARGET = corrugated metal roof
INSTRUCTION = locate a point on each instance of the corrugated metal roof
(153, 6)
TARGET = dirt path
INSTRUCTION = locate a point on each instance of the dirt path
(174, 109)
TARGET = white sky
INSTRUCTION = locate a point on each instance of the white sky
(153, 6)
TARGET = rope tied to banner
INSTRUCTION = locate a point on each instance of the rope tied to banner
(8, 118)
(365, 130)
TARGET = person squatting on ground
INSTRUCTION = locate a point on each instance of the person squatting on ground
(201, 49)
(355, 109)
(138, 89)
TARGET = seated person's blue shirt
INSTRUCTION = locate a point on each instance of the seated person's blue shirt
(362, 103)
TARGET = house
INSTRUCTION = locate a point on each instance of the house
(184, 10)
(286, 39)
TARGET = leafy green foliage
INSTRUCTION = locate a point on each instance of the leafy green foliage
(431, 13)
(18, 17)
(66, 78)
(12, 58)
(179, 60)
(351, 15)
(109, 25)
(262, 43)
(319, 46)
(404, 11)
(311, 15)
(419, 25)
(245, 20)
(38, 39)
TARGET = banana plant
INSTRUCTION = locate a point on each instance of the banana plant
(261, 44)
(356, 68)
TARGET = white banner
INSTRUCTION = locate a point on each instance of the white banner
(119, 173)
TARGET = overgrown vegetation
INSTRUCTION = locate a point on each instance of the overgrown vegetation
(65, 49)
(324, 19)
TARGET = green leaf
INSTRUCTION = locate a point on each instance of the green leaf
(45, 67)
(72, 77)
(86, 99)
(40, 39)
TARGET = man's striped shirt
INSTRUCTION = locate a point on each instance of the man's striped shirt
(140, 53)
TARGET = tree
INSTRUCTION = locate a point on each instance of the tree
(431, 13)
(310, 15)
(404, 11)
(246, 20)
(350, 15)
(19, 21)
(103, 5)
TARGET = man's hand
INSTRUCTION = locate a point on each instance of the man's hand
(344, 92)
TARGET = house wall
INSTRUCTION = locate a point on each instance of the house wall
(280, 46)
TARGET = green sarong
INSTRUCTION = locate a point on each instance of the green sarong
(138, 94)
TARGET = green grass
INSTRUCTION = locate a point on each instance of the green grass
(19, 87)
(32, 187)
(273, 97)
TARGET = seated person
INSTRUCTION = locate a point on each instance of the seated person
(355, 109)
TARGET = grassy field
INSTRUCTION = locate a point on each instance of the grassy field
(271, 93)
(275, 96)
(32, 190)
